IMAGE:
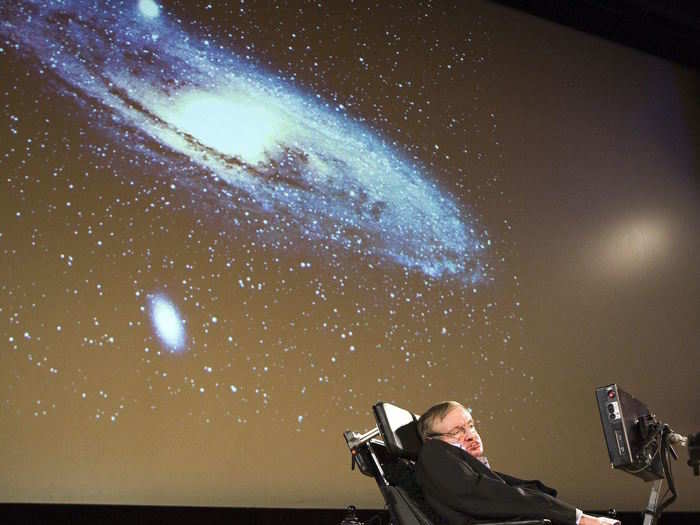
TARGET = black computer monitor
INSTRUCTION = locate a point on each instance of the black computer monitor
(632, 434)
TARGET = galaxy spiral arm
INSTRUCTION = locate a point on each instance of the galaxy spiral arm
(338, 181)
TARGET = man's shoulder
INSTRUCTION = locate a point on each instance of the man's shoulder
(436, 451)
(436, 461)
(435, 446)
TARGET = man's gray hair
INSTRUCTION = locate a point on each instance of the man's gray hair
(435, 413)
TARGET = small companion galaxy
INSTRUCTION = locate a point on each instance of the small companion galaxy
(228, 228)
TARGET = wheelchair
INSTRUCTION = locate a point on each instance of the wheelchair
(388, 453)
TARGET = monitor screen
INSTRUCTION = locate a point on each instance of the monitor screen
(632, 433)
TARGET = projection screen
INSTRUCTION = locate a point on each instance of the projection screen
(229, 228)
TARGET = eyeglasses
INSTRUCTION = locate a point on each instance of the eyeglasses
(457, 433)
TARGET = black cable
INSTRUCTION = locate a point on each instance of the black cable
(656, 435)
(376, 517)
(666, 451)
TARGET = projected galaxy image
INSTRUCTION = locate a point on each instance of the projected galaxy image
(267, 167)
(229, 228)
(246, 230)
(303, 164)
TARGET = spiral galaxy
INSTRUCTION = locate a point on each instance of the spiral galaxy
(288, 155)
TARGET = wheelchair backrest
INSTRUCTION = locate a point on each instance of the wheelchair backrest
(399, 430)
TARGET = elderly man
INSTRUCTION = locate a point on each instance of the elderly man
(459, 485)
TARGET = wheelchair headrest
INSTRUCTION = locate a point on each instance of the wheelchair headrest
(399, 428)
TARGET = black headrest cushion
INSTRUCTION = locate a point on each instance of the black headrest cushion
(399, 429)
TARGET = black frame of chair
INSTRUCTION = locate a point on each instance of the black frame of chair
(366, 451)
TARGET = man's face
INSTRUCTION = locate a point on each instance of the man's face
(458, 428)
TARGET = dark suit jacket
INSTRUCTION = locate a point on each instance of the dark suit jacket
(460, 489)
